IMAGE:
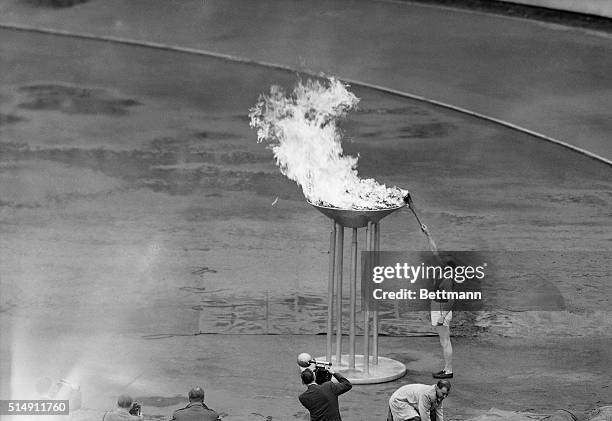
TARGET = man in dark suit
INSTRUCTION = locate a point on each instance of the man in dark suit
(196, 410)
(322, 400)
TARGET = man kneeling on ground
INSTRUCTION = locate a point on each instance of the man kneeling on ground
(418, 402)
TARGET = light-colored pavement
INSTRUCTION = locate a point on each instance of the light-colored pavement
(547, 78)
(250, 378)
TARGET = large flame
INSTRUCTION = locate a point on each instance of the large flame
(302, 132)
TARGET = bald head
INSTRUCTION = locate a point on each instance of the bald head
(196, 394)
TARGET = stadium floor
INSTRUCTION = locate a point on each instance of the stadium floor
(137, 210)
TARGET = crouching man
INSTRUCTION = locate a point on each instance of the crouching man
(418, 402)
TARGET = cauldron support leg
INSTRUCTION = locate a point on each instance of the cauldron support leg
(339, 265)
(330, 291)
(353, 294)
(375, 315)
(366, 313)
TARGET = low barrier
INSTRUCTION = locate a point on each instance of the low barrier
(591, 7)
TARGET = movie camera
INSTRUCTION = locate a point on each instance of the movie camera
(321, 370)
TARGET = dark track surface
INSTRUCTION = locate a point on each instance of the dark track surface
(549, 78)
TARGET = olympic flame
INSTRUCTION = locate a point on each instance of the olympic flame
(301, 129)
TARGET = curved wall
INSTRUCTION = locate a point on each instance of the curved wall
(591, 7)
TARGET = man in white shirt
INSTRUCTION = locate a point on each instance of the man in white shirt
(418, 402)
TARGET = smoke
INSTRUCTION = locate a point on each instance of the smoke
(301, 130)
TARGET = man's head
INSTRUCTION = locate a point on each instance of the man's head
(307, 376)
(196, 394)
(443, 387)
(124, 401)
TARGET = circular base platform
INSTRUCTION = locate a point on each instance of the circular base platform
(385, 371)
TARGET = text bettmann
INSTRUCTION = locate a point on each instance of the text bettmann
(425, 294)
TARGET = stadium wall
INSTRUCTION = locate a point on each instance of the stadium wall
(592, 7)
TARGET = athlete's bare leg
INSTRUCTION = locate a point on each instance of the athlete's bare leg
(447, 347)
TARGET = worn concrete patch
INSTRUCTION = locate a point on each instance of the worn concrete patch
(31, 184)
(74, 99)
(6, 119)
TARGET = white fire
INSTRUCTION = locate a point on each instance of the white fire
(301, 130)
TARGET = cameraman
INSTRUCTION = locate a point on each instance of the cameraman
(322, 400)
(124, 411)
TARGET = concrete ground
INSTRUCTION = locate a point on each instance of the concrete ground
(140, 247)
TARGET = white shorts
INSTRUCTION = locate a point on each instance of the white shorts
(437, 314)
